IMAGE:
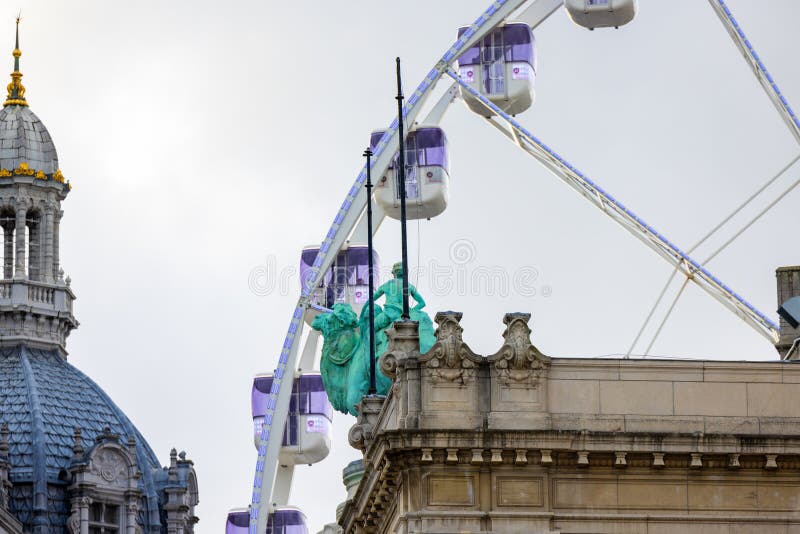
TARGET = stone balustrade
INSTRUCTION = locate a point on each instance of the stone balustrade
(41, 294)
(40, 311)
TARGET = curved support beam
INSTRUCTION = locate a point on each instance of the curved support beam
(343, 224)
(757, 66)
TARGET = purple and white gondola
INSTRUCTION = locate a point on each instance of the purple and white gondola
(284, 520)
(593, 14)
(346, 281)
(427, 175)
(307, 434)
(501, 67)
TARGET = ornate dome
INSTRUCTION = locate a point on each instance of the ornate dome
(70, 460)
(24, 139)
(43, 399)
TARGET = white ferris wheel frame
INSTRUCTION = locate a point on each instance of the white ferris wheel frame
(272, 482)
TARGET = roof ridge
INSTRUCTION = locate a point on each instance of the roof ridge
(40, 513)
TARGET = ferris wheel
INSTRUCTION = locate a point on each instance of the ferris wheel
(491, 67)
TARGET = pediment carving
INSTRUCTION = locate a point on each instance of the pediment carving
(518, 361)
(110, 466)
(450, 359)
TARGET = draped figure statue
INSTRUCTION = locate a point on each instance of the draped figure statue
(345, 350)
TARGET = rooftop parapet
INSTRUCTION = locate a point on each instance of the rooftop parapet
(452, 388)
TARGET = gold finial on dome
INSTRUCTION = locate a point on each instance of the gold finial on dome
(16, 91)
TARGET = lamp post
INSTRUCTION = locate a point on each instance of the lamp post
(401, 167)
(373, 390)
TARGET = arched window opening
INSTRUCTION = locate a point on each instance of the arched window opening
(24, 239)
(7, 221)
(33, 222)
(14, 240)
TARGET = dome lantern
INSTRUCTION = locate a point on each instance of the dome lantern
(16, 91)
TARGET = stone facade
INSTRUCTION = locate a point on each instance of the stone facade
(518, 442)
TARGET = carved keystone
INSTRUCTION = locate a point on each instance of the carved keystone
(403, 339)
(518, 360)
(450, 359)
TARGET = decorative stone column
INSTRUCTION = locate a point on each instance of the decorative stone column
(130, 523)
(19, 269)
(400, 360)
(8, 250)
(83, 507)
(176, 506)
(56, 229)
(49, 273)
(35, 246)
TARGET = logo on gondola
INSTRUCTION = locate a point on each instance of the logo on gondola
(316, 424)
(467, 74)
(521, 72)
(360, 296)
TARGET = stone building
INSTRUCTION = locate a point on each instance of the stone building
(70, 460)
(519, 442)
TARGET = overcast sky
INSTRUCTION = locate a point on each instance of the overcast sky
(206, 142)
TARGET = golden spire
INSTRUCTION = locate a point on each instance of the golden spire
(16, 91)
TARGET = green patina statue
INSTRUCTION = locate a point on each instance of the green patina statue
(345, 351)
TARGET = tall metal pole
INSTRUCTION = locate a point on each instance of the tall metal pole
(402, 178)
(373, 390)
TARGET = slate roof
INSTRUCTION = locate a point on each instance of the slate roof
(23, 138)
(43, 399)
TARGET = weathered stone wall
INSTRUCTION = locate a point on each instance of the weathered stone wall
(519, 442)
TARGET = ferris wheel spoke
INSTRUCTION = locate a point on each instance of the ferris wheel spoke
(708, 235)
(626, 218)
(666, 317)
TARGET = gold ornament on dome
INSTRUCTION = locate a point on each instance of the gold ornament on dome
(5, 172)
(24, 169)
(16, 91)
